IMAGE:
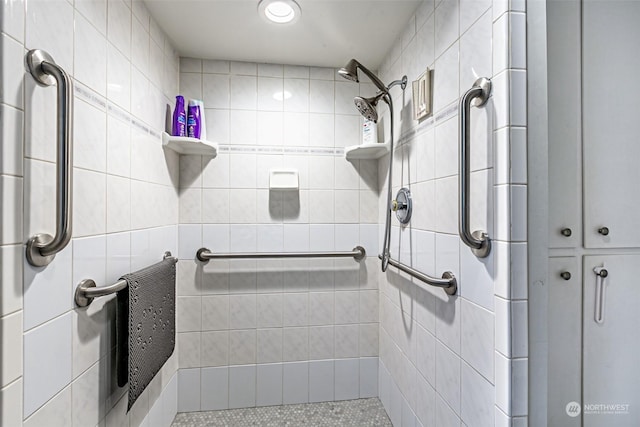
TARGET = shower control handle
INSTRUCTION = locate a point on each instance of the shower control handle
(396, 206)
(402, 205)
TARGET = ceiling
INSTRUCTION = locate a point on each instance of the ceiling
(328, 33)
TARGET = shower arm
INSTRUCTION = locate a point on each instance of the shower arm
(376, 81)
(402, 83)
(386, 96)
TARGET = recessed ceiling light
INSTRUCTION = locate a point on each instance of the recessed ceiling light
(279, 11)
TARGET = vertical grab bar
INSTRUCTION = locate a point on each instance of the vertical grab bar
(478, 241)
(42, 248)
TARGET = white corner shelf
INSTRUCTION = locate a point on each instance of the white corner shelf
(186, 145)
(366, 151)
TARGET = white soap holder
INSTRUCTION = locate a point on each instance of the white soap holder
(283, 179)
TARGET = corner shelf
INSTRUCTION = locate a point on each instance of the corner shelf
(366, 151)
(186, 145)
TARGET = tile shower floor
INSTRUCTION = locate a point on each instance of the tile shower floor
(347, 413)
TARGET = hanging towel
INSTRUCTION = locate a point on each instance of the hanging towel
(145, 325)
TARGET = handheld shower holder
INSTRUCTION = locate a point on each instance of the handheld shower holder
(402, 82)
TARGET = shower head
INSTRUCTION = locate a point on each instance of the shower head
(367, 106)
(350, 72)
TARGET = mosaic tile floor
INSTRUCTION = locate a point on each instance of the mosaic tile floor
(348, 413)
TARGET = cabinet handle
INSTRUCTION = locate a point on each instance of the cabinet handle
(603, 230)
(601, 293)
(565, 275)
(566, 232)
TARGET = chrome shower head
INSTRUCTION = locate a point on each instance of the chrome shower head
(350, 71)
(367, 106)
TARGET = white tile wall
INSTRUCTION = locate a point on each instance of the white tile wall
(92, 41)
(264, 384)
(295, 319)
(242, 386)
(421, 330)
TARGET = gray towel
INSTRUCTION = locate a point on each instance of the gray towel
(145, 325)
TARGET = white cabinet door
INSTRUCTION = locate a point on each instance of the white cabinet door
(611, 123)
(611, 359)
(563, 79)
(565, 339)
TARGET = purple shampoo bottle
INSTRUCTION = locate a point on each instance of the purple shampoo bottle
(179, 118)
(193, 120)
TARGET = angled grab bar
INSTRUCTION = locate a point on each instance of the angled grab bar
(356, 253)
(42, 248)
(448, 282)
(478, 241)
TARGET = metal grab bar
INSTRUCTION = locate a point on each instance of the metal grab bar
(448, 282)
(42, 248)
(356, 253)
(478, 241)
(87, 290)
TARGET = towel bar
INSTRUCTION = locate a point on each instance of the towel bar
(357, 253)
(87, 290)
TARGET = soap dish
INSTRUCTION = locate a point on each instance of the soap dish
(283, 179)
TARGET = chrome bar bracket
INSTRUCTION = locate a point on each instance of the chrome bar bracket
(478, 241)
(42, 248)
(34, 60)
(34, 244)
(485, 86)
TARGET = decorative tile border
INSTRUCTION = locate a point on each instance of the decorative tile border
(84, 93)
(88, 95)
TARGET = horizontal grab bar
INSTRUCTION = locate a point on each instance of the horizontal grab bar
(87, 290)
(356, 253)
(448, 281)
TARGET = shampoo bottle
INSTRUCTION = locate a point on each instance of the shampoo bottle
(369, 132)
(179, 127)
(203, 123)
(193, 120)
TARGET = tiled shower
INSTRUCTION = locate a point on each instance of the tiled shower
(266, 332)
